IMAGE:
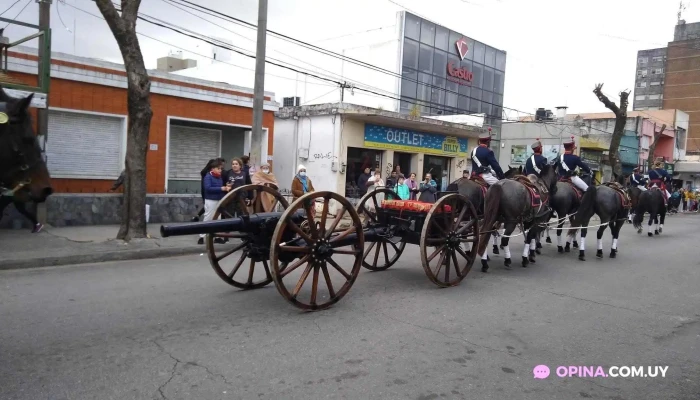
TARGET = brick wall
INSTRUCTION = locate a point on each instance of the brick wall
(682, 89)
(91, 97)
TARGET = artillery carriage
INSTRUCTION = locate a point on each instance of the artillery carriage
(307, 239)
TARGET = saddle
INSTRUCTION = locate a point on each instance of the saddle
(479, 180)
(536, 191)
(577, 191)
(624, 197)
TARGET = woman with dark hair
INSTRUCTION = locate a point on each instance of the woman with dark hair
(203, 173)
(214, 191)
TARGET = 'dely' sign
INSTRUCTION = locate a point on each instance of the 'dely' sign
(462, 75)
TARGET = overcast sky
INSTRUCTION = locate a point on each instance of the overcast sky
(556, 52)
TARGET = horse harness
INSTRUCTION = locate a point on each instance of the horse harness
(537, 192)
(624, 196)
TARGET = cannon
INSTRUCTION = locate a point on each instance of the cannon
(314, 254)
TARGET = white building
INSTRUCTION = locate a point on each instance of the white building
(335, 142)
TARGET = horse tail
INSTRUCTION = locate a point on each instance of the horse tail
(639, 210)
(586, 209)
(492, 202)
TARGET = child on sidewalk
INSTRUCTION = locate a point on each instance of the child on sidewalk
(402, 188)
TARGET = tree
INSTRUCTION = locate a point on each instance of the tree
(652, 146)
(123, 27)
(620, 122)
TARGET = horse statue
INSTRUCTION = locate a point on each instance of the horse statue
(23, 173)
(520, 200)
(651, 201)
(611, 203)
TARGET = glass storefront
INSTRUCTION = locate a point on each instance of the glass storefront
(439, 168)
(359, 159)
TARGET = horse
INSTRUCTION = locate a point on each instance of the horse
(23, 173)
(510, 202)
(634, 193)
(612, 208)
(651, 201)
(565, 202)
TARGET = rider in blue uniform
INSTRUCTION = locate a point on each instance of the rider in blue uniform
(659, 176)
(637, 180)
(537, 161)
(482, 158)
(568, 162)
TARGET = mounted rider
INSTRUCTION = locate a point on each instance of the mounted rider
(637, 180)
(568, 162)
(535, 164)
(483, 158)
(658, 177)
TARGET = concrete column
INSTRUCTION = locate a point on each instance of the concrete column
(387, 164)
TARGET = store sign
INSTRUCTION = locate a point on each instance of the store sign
(462, 48)
(459, 75)
(669, 167)
(387, 138)
(591, 158)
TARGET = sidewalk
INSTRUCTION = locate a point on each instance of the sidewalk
(86, 244)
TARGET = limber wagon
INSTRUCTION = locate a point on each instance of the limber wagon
(297, 246)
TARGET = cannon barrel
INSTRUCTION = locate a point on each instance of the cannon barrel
(238, 224)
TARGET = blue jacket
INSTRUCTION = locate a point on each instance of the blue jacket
(540, 162)
(212, 188)
(638, 180)
(659, 173)
(571, 161)
(486, 159)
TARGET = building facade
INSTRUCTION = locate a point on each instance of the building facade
(682, 89)
(445, 72)
(193, 121)
(336, 142)
(650, 79)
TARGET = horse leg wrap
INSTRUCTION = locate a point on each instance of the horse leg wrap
(559, 239)
(533, 244)
(526, 250)
(485, 256)
(582, 246)
(600, 244)
(507, 251)
(614, 245)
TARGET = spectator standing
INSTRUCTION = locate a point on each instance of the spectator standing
(214, 191)
(412, 186)
(362, 182)
(265, 177)
(402, 188)
(428, 189)
(301, 183)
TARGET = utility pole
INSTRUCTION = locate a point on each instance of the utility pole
(43, 81)
(259, 88)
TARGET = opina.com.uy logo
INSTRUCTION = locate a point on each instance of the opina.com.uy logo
(650, 371)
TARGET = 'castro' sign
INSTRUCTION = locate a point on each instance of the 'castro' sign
(459, 75)
(383, 137)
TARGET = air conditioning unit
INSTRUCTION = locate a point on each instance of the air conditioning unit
(291, 101)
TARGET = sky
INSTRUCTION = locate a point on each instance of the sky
(555, 53)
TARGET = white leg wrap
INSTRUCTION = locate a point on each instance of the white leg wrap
(650, 228)
(495, 239)
(485, 256)
(614, 245)
(560, 240)
(526, 250)
(507, 251)
(533, 244)
(582, 244)
(600, 244)
(662, 226)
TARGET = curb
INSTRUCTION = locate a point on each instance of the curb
(119, 255)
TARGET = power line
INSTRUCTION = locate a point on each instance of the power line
(331, 53)
(18, 14)
(9, 8)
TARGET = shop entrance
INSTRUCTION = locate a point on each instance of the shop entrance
(403, 161)
(358, 159)
(439, 168)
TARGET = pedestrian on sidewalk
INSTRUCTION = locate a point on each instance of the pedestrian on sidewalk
(204, 173)
(214, 191)
(402, 189)
(7, 200)
(412, 186)
(265, 177)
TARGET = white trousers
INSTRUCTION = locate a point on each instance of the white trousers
(209, 209)
(579, 183)
(489, 178)
(642, 188)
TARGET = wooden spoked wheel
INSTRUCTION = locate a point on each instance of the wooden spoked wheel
(449, 240)
(327, 247)
(383, 253)
(235, 262)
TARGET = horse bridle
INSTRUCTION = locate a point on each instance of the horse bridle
(9, 188)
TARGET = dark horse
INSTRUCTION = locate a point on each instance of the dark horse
(23, 173)
(475, 193)
(565, 202)
(651, 201)
(510, 202)
(611, 208)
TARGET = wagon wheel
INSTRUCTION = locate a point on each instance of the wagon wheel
(325, 249)
(367, 209)
(229, 260)
(449, 241)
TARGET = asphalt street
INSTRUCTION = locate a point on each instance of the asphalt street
(171, 329)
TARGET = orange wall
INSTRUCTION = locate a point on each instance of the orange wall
(105, 99)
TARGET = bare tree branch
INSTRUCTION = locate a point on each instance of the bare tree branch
(604, 99)
(619, 131)
(652, 146)
(111, 15)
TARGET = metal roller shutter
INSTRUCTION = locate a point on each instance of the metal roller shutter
(84, 145)
(190, 149)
